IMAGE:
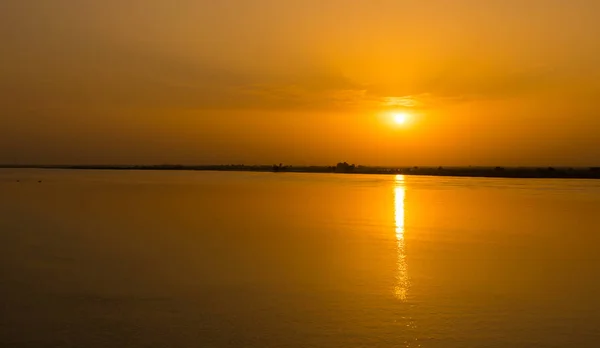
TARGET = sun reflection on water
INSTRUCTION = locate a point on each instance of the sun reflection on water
(402, 281)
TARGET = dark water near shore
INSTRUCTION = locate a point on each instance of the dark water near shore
(222, 259)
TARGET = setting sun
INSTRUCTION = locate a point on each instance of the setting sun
(400, 118)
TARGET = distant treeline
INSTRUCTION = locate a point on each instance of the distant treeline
(344, 167)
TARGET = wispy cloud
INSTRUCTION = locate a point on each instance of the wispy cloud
(122, 77)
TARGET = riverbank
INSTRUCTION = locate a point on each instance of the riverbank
(491, 172)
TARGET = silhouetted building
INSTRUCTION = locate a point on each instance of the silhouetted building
(344, 168)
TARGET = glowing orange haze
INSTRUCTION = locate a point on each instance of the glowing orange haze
(499, 82)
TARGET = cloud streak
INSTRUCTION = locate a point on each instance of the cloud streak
(134, 77)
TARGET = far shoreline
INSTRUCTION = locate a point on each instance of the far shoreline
(344, 168)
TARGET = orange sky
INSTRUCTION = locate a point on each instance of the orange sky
(496, 82)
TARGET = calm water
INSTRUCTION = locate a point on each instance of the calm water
(208, 259)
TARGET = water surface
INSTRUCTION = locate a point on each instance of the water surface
(222, 259)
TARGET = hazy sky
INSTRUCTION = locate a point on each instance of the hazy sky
(495, 82)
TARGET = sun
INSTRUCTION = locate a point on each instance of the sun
(400, 118)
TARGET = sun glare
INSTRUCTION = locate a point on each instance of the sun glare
(400, 118)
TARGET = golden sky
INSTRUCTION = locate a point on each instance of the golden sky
(495, 82)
